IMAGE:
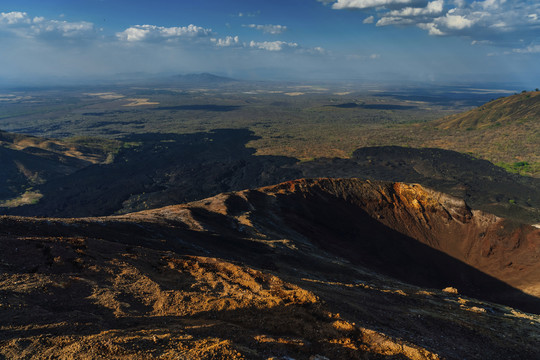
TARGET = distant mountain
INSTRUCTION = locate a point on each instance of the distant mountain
(191, 80)
(522, 107)
(203, 78)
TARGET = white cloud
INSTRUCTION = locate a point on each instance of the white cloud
(491, 4)
(21, 25)
(268, 29)
(433, 7)
(133, 34)
(14, 17)
(532, 49)
(455, 22)
(272, 45)
(481, 19)
(366, 4)
(394, 20)
(152, 32)
(431, 28)
(63, 28)
(227, 41)
(369, 20)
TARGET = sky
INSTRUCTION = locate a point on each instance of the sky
(437, 41)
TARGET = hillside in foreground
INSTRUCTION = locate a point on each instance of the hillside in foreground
(308, 269)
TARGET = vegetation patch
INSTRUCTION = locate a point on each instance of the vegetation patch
(521, 167)
(30, 197)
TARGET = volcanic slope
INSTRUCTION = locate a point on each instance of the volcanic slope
(506, 131)
(305, 269)
(520, 108)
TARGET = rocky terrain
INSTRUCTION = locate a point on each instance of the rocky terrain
(166, 169)
(307, 269)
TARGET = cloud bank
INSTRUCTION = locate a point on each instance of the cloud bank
(152, 32)
(514, 22)
(21, 25)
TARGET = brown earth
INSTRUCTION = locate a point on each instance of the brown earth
(305, 270)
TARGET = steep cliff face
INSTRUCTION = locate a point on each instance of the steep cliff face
(302, 269)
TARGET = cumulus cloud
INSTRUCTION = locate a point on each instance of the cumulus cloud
(369, 20)
(431, 28)
(414, 15)
(14, 17)
(155, 33)
(366, 4)
(268, 29)
(455, 22)
(394, 20)
(22, 25)
(272, 45)
(227, 41)
(434, 7)
(480, 20)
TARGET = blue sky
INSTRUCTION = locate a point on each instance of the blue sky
(387, 40)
